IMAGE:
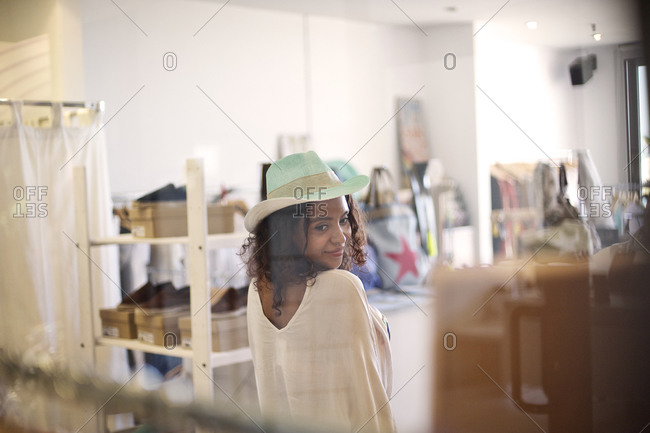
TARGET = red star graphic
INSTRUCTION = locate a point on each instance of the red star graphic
(406, 259)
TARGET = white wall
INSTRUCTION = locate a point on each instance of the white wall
(248, 62)
(531, 85)
(60, 21)
(271, 72)
(68, 48)
(450, 106)
(357, 70)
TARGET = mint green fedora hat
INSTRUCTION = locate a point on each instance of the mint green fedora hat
(300, 178)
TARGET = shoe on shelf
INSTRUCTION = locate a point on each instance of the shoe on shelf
(140, 296)
(166, 193)
(168, 297)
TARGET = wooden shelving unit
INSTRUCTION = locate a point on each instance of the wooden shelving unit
(199, 242)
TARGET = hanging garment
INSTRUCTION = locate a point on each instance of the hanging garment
(595, 199)
(40, 311)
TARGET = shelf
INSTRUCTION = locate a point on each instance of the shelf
(198, 243)
(144, 347)
(221, 240)
(218, 358)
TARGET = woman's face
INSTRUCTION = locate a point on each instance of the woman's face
(327, 233)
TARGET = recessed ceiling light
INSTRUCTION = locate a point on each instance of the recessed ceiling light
(532, 25)
(597, 36)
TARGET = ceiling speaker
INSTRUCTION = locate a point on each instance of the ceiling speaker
(582, 69)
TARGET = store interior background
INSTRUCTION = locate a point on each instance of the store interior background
(248, 73)
(334, 75)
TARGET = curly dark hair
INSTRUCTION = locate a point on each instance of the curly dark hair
(271, 256)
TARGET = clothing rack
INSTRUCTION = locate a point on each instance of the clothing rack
(517, 201)
(97, 106)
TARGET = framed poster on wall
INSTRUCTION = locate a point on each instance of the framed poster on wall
(411, 135)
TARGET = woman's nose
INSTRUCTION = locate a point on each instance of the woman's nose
(339, 237)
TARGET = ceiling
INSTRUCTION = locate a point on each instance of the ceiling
(561, 23)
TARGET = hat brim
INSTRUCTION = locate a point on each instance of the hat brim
(265, 208)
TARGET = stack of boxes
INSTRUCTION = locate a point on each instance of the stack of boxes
(118, 324)
(169, 219)
(160, 315)
(229, 330)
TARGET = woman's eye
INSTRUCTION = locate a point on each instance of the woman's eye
(321, 228)
(345, 220)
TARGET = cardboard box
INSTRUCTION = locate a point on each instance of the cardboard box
(169, 219)
(229, 330)
(159, 327)
(118, 324)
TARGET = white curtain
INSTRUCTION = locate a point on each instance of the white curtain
(39, 310)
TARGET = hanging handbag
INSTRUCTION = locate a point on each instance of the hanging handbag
(392, 231)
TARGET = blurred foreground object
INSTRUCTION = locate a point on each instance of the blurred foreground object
(528, 346)
(162, 406)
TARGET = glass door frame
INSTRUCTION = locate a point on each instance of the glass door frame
(635, 147)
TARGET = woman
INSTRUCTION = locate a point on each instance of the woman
(320, 351)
